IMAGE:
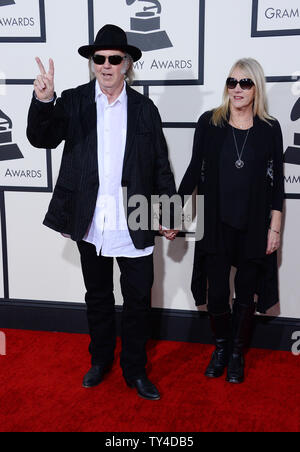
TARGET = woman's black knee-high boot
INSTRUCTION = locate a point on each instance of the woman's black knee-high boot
(221, 327)
(242, 328)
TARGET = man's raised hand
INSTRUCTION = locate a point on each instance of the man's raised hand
(44, 83)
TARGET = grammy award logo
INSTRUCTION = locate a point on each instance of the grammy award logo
(145, 28)
(292, 154)
(8, 150)
(7, 2)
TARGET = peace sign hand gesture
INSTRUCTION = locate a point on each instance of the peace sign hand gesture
(44, 83)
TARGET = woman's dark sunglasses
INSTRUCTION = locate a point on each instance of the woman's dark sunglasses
(114, 60)
(245, 83)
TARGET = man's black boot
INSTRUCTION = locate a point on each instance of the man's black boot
(95, 376)
(144, 387)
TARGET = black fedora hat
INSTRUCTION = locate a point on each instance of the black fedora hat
(110, 37)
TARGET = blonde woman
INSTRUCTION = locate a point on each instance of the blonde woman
(237, 163)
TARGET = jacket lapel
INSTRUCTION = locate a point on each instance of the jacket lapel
(256, 137)
(88, 111)
(88, 116)
(88, 119)
(218, 135)
(133, 110)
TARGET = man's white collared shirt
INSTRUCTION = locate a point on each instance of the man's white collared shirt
(109, 230)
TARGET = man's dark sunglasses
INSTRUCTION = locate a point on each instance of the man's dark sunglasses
(245, 83)
(114, 60)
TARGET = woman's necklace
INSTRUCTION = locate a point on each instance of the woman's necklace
(245, 126)
(239, 163)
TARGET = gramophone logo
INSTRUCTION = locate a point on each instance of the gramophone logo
(292, 154)
(8, 149)
(145, 27)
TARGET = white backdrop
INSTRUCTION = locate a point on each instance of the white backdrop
(198, 43)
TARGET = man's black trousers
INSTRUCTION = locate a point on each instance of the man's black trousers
(136, 283)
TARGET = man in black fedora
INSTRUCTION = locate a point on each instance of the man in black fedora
(114, 150)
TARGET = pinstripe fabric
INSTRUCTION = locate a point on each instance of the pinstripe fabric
(72, 118)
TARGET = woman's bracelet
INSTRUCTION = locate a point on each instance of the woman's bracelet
(273, 230)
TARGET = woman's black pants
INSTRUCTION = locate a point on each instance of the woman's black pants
(136, 283)
(218, 267)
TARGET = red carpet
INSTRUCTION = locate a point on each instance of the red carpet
(41, 377)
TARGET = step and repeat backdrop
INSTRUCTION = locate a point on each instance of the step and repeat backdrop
(188, 49)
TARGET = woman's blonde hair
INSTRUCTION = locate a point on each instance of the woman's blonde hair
(252, 69)
(128, 69)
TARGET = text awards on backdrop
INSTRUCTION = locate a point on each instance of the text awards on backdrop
(22, 21)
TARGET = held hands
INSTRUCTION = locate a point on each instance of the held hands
(273, 241)
(44, 83)
(168, 234)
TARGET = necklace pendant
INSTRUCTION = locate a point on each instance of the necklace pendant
(239, 164)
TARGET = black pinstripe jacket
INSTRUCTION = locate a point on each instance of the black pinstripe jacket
(73, 119)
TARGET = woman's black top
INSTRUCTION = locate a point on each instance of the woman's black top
(235, 182)
(266, 188)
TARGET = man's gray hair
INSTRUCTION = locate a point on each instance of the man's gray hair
(129, 73)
